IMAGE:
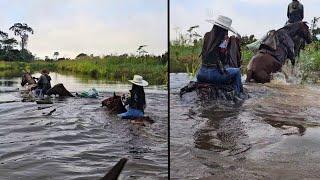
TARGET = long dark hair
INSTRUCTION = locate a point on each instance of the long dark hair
(139, 91)
(213, 39)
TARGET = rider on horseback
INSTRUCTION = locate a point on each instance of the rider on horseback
(295, 12)
(43, 83)
(136, 100)
(213, 56)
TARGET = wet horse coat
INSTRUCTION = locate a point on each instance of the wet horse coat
(268, 61)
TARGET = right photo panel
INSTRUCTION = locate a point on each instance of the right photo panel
(244, 89)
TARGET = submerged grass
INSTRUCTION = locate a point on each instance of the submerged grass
(112, 68)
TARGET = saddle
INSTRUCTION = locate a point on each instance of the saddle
(270, 41)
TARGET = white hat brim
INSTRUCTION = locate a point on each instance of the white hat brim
(143, 83)
(222, 26)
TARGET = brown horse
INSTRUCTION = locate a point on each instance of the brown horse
(115, 106)
(60, 90)
(28, 80)
(267, 61)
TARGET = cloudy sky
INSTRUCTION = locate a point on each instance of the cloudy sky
(96, 27)
(249, 16)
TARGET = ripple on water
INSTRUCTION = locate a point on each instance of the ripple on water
(80, 140)
(272, 135)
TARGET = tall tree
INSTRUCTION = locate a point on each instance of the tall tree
(22, 31)
(9, 43)
(3, 36)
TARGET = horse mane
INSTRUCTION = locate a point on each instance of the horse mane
(292, 28)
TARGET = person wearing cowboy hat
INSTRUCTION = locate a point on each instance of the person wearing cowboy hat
(213, 56)
(136, 100)
(43, 84)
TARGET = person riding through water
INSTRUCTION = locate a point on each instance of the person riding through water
(295, 12)
(213, 56)
(43, 84)
(136, 100)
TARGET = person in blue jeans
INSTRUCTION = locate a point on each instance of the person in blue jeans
(136, 100)
(213, 56)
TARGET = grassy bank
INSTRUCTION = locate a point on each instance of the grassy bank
(185, 58)
(109, 68)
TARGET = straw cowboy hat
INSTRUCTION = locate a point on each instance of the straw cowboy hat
(138, 80)
(223, 22)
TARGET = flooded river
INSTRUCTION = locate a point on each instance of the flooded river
(273, 135)
(80, 140)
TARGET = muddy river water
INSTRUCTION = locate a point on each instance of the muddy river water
(80, 140)
(273, 135)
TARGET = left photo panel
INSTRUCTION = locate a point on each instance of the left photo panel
(83, 89)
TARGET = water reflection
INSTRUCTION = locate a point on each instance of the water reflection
(270, 136)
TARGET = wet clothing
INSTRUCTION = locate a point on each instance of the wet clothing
(137, 104)
(295, 12)
(213, 64)
(131, 114)
(43, 84)
(212, 75)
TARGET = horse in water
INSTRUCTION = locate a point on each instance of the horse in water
(28, 80)
(115, 106)
(60, 90)
(271, 59)
(216, 91)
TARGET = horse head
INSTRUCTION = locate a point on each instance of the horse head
(305, 32)
(27, 78)
(114, 104)
(301, 29)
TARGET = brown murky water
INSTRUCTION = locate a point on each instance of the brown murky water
(273, 135)
(80, 140)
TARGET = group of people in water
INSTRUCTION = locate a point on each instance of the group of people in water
(136, 100)
(213, 68)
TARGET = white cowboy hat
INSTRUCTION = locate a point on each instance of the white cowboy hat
(223, 22)
(138, 80)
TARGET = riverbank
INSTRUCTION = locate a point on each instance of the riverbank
(112, 68)
(185, 58)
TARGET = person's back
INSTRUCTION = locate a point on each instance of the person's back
(295, 12)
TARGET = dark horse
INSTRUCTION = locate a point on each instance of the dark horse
(268, 61)
(28, 80)
(115, 106)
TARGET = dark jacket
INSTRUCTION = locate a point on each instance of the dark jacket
(136, 100)
(295, 12)
(211, 54)
(44, 82)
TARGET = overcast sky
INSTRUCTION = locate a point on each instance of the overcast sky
(96, 27)
(249, 16)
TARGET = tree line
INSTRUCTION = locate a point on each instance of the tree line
(8, 51)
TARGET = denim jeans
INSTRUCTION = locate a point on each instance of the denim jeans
(213, 75)
(131, 113)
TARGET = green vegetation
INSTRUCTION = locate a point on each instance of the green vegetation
(120, 68)
(184, 55)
